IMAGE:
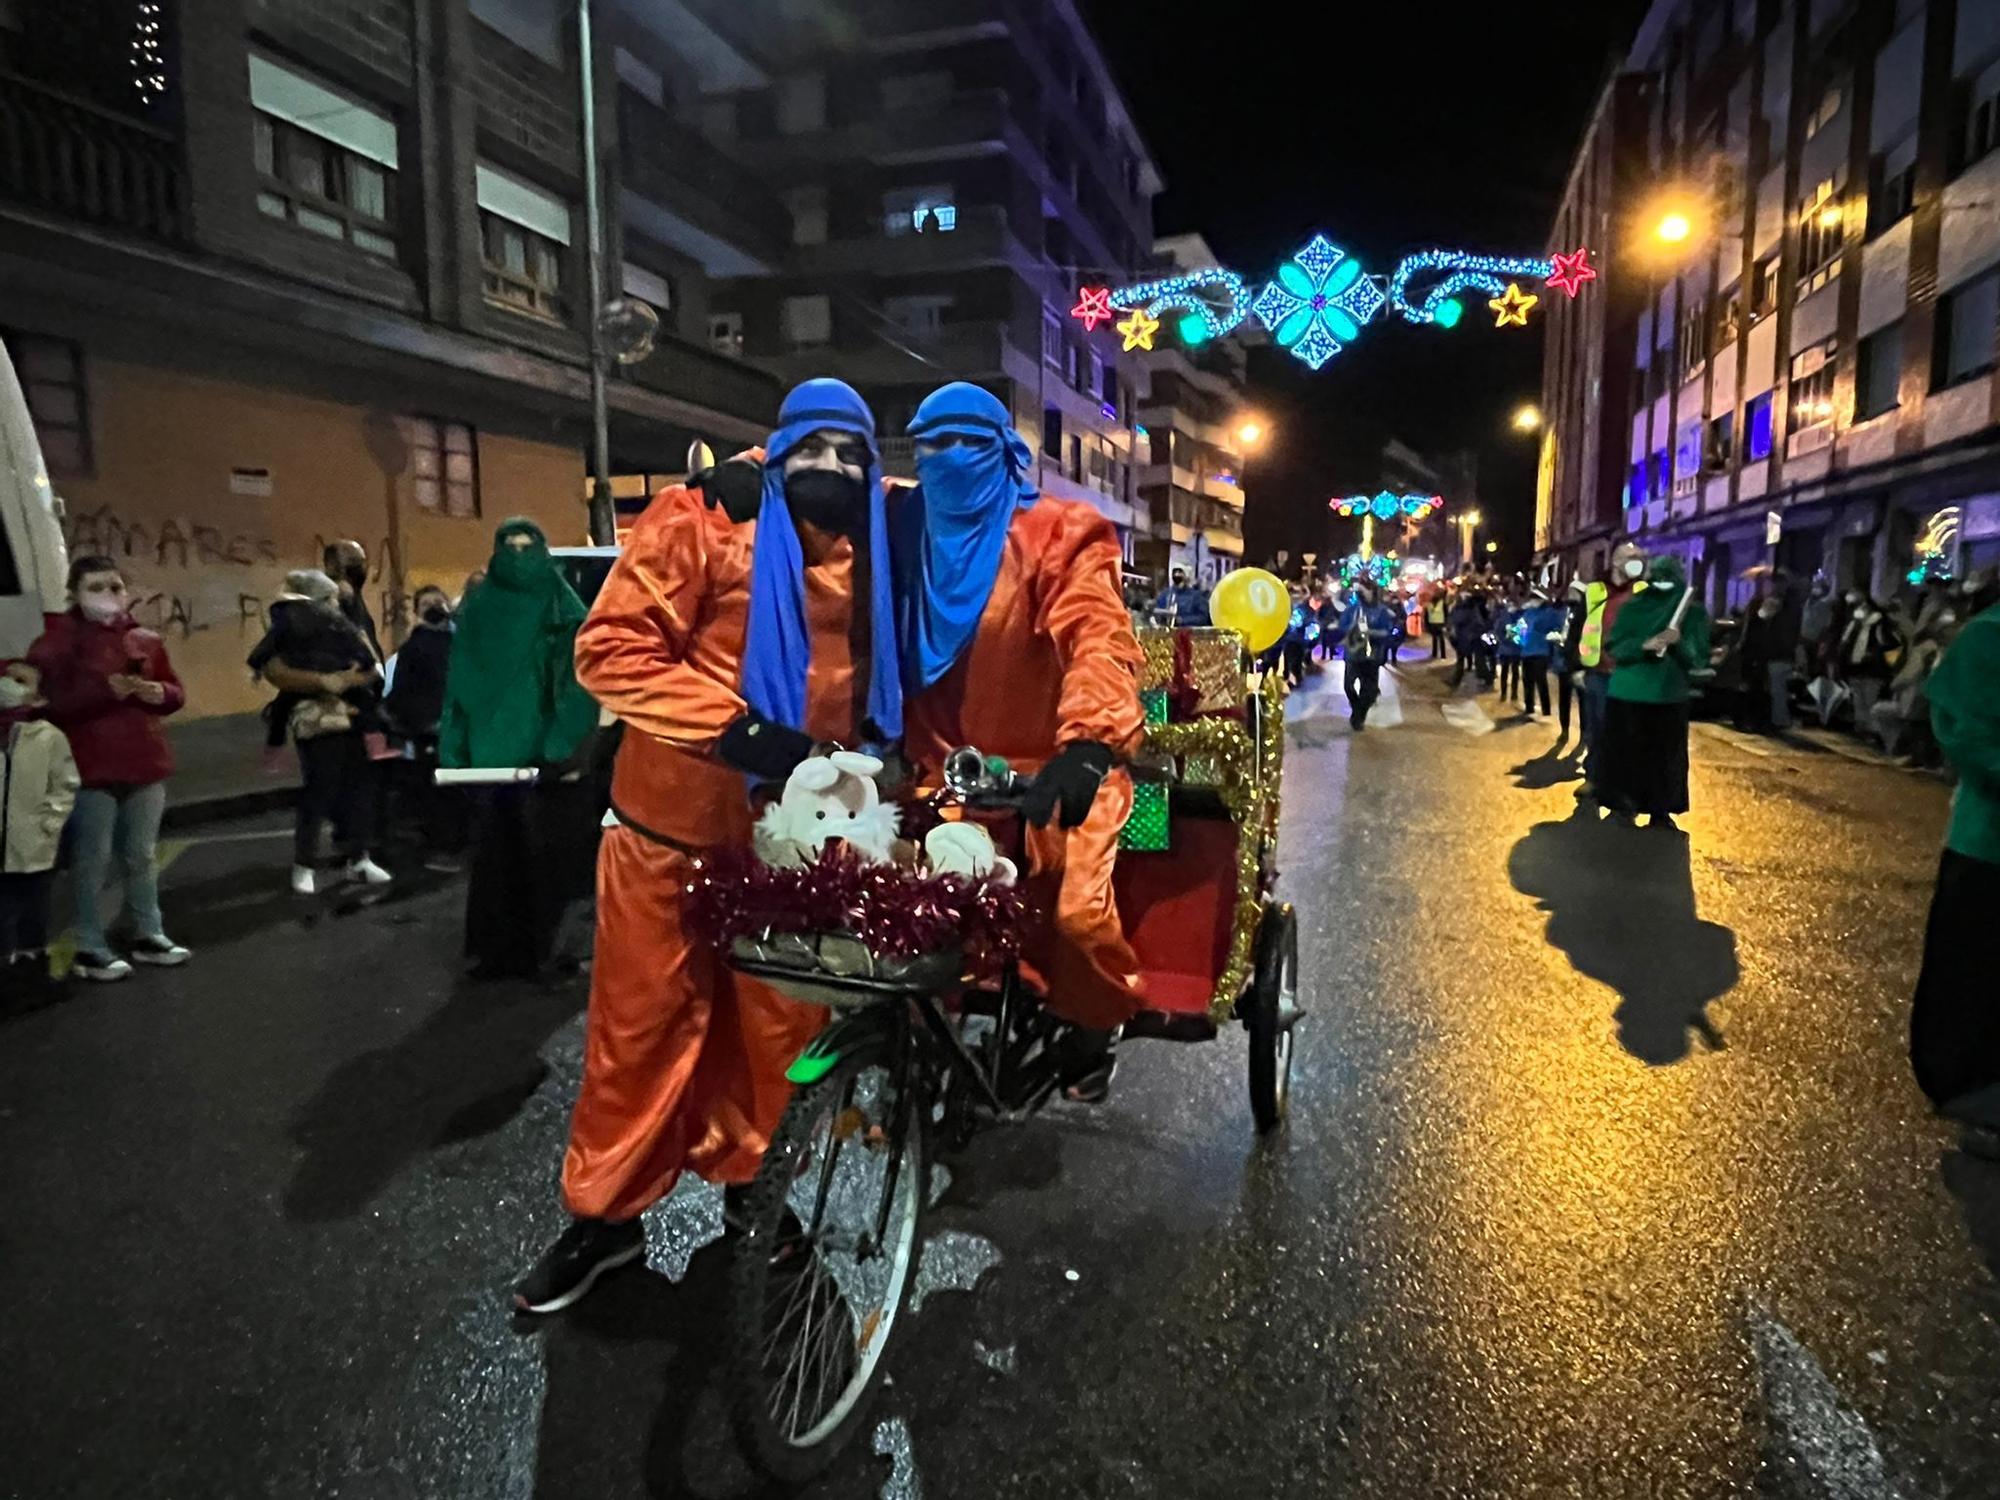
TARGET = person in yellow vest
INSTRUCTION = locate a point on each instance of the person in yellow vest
(1587, 657)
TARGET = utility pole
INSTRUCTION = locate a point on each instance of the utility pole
(603, 518)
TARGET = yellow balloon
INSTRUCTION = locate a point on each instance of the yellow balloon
(1254, 604)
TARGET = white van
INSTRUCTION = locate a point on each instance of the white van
(34, 564)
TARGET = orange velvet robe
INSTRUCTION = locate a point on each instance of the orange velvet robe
(684, 1059)
(1054, 660)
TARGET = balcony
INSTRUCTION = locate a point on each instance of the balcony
(691, 373)
(67, 157)
(982, 238)
(1199, 513)
(678, 168)
(979, 118)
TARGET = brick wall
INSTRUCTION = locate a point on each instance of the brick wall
(525, 102)
(376, 32)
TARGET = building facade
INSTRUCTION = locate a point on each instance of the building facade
(952, 170)
(1813, 378)
(1191, 454)
(282, 271)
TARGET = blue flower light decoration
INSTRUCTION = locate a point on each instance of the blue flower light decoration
(1319, 302)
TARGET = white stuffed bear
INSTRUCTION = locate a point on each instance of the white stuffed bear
(966, 849)
(828, 797)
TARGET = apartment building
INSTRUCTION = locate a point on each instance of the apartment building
(279, 271)
(1192, 443)
(1812, 379)
(953, 170)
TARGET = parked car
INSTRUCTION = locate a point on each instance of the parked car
(34, 563)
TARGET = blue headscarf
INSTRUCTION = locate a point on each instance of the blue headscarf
(951, 531)
(778, 647)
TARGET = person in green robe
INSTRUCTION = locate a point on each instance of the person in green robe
(1955, 1018)
(511, 700)
(1659, 642)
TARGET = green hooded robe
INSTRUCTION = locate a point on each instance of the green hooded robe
(1965, 713)
(1640, 676)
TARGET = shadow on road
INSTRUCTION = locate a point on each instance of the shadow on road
(1553, 767)
(1621, 906)
(465, 1072)
(1976, 1185)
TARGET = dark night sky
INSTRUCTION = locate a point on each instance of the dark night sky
(1462, 138)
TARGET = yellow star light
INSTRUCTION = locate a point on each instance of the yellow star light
(1139, 330)
(1513, 307)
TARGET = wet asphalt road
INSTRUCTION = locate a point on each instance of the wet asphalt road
(1605, 1177)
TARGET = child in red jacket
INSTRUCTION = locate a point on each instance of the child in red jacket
(109, 684)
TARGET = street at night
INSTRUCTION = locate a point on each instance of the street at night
(1604, 1176)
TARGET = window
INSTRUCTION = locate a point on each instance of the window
(1729, 320)
(1764, 287)
(1072, 364)
(801, 104)
(1824, 112)
(1822, 227)
(808, 207)
(909, 91)
(1074, 468)
(524, 239)
(922, 316)
(51, 375)
(1878, 372)
(1693, 336)
(1811, 400)
(1966, 319)
(725, 333)
(1052, 433)
(1052, 339)
(919, 210)
(1635, 485)
(1892, 181)
(806, 321)
(325, 161)
(1663, 474)
(1101, 381)
(1719, 447)
(1757, 427)
(1980, 131)
(649, 286)
(444, 463)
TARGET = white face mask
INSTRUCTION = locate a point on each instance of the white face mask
(1635, 567)
(103, 608)
(13, 693)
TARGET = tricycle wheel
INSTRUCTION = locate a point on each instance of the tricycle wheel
(1270, 1008)
(822, 1264)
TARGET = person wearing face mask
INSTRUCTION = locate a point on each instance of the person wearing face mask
(1015, 640)
(512, 700)
(413, 701)
(1954, 1017)
(346, 563)
(1871, 650)
(109, 686)
(1369, 631)
(40, 783)
(325, 674)
(1658, 642)
(747, 619)
(1602, 603)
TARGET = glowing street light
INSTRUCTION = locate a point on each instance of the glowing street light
(1250, 433)
(1467, 524)
(1492, 546)
(1830, 217)
(1673, 228)
(1527, 418)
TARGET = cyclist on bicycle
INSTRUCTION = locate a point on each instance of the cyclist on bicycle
(1016, 639)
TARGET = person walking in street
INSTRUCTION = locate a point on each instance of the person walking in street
(1541, 631)
(512, 701)
(1955, 1016)
(1435, 613)
(1563, 662)
(1507, 638)
(1466, 621)
(413, 701)
(109, 685)
(37, 792)
(1369, 631)
(1603, 602)
(328, 699)
(1182, 603)
(1658, 642)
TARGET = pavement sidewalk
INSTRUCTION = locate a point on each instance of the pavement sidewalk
(219, 771)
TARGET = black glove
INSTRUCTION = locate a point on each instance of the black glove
(760, 748)
(737, 486)
(1067, 784)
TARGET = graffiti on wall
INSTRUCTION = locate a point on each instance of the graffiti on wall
(175, 542)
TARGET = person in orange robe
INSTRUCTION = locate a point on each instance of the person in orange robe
(1016, 640)
(728, 647)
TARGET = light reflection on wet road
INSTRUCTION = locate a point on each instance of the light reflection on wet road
(1605, 1178)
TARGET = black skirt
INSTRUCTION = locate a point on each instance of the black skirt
(1643, 764)
(1955, 1019)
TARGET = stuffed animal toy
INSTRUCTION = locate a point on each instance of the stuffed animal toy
(828, 798)
(966, 849)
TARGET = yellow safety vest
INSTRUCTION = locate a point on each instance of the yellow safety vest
(1590, 648)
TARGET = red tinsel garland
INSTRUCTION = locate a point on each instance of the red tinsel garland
(895, 912)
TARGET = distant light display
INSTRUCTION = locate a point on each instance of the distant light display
(1386, 506)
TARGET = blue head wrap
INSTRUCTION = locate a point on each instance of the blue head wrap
(951, 531)
(778, 647)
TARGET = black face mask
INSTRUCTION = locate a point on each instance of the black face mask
(436, 614)
(827, 499)
(356, 575)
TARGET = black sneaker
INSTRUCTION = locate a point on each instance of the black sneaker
(160, 952)
(570, 1267)
(105, 968)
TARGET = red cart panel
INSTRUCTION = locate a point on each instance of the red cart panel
(1177, 908)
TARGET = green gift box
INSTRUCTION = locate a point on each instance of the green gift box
(1145, 830)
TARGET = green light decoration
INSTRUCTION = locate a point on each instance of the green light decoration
(1448, 313)
(1194, 330)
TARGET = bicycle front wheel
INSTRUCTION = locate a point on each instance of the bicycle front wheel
(823, 1262)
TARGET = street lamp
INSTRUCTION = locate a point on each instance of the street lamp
(1673, 227)
(1467, 524)
(1250, 433)
(1527, 418)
